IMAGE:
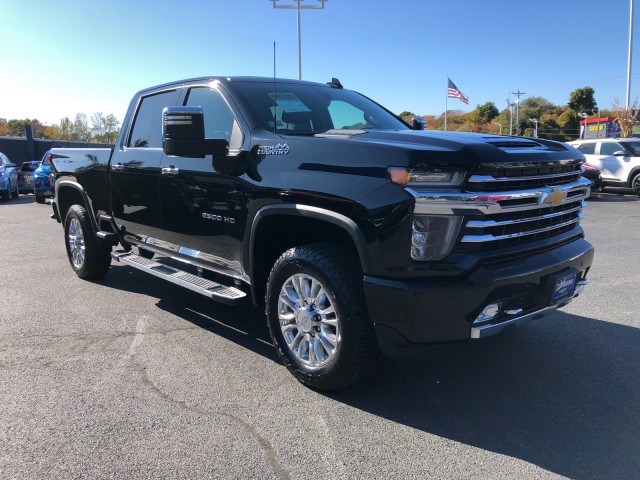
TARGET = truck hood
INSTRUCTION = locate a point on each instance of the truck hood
(446, 148)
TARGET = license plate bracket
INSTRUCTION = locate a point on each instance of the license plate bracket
(562, 286)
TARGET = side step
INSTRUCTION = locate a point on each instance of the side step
(199, 285)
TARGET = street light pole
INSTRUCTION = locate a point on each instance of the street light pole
(299, 6)
(584, 131)
(535, 123)
(629, 60)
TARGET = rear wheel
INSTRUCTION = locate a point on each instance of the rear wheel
(317, 317)
(635, 184)
(88, 256)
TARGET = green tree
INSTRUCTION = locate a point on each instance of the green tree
(582, 100)
(80, 130)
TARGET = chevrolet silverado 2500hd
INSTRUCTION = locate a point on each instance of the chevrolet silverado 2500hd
(357, 232)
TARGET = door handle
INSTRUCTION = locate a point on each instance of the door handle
(170, 170)
(117, 167)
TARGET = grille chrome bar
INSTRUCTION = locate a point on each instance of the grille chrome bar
(481, 203)
(493, 223)
(493, 238)
(490, 178)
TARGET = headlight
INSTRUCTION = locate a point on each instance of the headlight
(432, 236)
(417, 177)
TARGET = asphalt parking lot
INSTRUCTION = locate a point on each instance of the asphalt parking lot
(129, 377)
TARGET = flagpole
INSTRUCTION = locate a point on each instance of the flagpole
(446, 105)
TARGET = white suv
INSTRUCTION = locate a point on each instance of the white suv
(617, 158)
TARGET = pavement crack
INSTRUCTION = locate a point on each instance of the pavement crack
(265, 445)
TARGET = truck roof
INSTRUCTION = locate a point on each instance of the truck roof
(227, 80)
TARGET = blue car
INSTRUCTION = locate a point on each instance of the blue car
(42, 186)
(8, 178)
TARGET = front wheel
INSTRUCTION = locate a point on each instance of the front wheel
(40, 198)
(6, 194)
(635, 184)
(88, 257)
(317, 316)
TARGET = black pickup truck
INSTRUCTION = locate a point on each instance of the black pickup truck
(358, 232)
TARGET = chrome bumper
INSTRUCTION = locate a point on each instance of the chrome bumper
(493, 329)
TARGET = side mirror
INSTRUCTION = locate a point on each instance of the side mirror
(419, 123)
(620, 153)
(183, 134)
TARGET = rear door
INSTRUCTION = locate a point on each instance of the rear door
(135, 169)
(203, 212)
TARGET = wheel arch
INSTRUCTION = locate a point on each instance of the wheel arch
(70, 193)
(276, 228)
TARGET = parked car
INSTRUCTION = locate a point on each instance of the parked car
(593, 175)
(8, 178)
(43, 187)
(25, 176)
(617, 158)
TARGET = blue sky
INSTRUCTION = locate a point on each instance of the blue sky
(69, 56)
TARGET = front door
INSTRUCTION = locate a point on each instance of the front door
(203, 212)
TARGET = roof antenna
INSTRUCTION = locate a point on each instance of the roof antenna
(275, 93)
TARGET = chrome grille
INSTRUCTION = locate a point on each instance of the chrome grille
(492, 178)
(526, 218)
(512, 204)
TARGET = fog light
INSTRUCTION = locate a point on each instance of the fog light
(489, 313)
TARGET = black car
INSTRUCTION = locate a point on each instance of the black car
(593, 175)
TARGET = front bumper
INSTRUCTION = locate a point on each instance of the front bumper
(414, 313)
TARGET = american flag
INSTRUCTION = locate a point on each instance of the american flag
(453, 92)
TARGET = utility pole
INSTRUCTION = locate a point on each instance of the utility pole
(510, 105)
(297, 5)
(518, 94)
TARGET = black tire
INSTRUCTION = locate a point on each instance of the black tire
(88, 257)
(15, 193)
(40, 198)
(635, 184)
(6, 194)
(337, 329)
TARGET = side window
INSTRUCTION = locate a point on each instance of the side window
(346, 116)
(587, 148)
(147, 125)
(219, 121)
(609, 148)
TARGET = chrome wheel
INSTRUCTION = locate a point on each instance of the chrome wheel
(75, 238)
(308, 321)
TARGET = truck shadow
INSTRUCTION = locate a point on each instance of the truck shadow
(562, 393)
(242, 324)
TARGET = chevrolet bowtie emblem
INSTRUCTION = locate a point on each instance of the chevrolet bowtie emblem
(555, 198)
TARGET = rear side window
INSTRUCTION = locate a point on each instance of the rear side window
(147, 125)
(587, 148)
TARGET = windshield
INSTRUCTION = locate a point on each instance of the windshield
(303, 109)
